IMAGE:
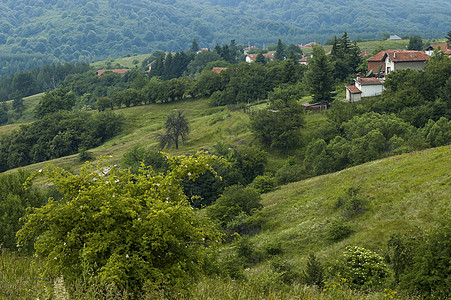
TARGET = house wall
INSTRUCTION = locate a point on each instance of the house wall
(371, 90)
(389, 65)
(417, 65)
(352, 97)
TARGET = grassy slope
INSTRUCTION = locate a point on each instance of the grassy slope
(403, 193)
(126, 62)
(208, 125)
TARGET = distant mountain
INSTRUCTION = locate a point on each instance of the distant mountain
(43, 31)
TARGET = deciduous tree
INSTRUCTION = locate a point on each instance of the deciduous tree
(130, 230)
(177, 126)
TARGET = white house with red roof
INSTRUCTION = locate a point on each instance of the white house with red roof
(445, 49)
(364, 87)
(404, 59)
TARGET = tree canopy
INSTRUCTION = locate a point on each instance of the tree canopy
(131, 230)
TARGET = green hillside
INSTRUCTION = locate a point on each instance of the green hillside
(402, 194)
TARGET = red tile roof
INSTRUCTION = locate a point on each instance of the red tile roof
(218, 70)
(407, 55)
(118, 71)
(309, 45)
(380, 56)
(442, 47)
(369, 81)
(252, 56)
(270, 55)
(353, 89)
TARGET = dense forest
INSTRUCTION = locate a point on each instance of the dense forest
(41, 32)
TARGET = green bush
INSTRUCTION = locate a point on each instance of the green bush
(287, 271)
(338, 230)
(314, 271)
(273, 248)
(351, 202)
(290, 172)
(84, 155)
(363, 268)
(428, 269)
(263, 183)
(234, 201)
(14, 200)
(248, 251)
(128, 230)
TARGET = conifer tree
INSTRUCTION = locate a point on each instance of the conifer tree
(194, 46)
(320, 76)
(280, 51)
(260, 59)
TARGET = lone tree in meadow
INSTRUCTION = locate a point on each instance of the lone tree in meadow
(176, 127)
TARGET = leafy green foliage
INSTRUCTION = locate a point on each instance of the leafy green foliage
(352, 202)
(48, 77)
(363, 268)
(319, 77)
(234, 201)
(366, 137)
(415, 43)
(338, 230)
(263, 183)
(279, 127)
(314, 271)
(345, 57)
(55, 135)
(427, 265)
(138, 155)
(3, 114)
(53, 101)
(131, 230)
(401, 250)
(15, 198)
(177, 126)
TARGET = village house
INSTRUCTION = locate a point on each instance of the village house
(252, 57)
(391, 60)
(309, 45)
(364, 87)
(248, 49)
(404, 59)
(445, 49)
(394, 38)
(304, 60)
(218, 70)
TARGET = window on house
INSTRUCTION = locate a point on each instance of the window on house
(388, 70)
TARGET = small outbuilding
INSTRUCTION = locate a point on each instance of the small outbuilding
(364, 87)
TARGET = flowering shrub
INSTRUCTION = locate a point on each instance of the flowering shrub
(126, 229)
(362, 267)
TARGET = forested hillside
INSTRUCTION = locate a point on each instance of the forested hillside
(33, 33)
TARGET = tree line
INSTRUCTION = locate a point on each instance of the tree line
(55, 135)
